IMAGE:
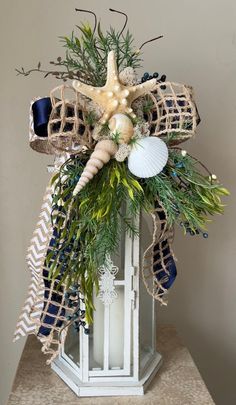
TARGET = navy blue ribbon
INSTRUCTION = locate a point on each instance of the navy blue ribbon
(41, 112)
(170, 272)
(166, 274)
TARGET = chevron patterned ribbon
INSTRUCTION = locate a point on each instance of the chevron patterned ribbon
(36, 253)
(46, 310)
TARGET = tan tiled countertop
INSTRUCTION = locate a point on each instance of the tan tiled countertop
(178, 381)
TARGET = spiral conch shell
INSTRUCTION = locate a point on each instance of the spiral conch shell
(106, 148)
(103, 152)
(122, 124)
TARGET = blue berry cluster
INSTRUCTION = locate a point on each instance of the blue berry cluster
(147, 76)
(194, 232)
(178, 165)
(73, 300)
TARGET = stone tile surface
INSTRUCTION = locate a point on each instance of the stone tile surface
(178, 381)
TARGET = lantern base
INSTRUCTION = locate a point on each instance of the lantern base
(111, 388)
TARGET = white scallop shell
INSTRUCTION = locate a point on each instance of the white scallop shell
(148, 157)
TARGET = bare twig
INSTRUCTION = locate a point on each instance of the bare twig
(126, 20)
(150, 40)
(90, 12)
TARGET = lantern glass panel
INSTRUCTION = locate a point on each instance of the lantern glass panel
(108, 331)
(147, 304)
(118, 257)
(72, 345)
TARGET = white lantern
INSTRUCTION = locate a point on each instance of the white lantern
(119, 355)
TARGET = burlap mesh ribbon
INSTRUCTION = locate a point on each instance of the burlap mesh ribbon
(68, 128)
(173, 112)
(158, 267)
(46, 310)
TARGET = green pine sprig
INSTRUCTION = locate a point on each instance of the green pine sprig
(188, 196)
(86, 55)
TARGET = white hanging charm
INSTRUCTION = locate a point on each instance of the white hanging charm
(148, 157)
(107, 273)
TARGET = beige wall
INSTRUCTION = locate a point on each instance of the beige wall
(199, 48)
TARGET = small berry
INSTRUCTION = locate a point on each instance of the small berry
(179, 165)
(205, 235)
(213, 177)
(155, 74)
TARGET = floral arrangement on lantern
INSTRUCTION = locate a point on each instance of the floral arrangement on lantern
(116, 138)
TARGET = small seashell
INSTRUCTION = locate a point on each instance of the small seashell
(127, 76)
(123, 125)
(141, 130)
(148, 157)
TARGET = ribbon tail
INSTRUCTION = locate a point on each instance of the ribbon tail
(31, 312)
(45, 310)
(158, 267)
